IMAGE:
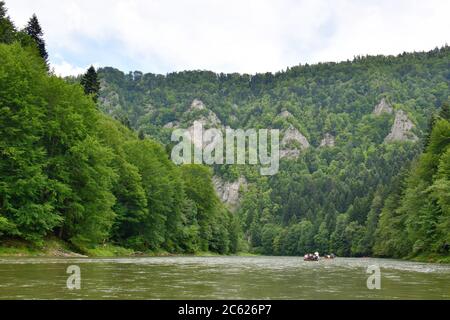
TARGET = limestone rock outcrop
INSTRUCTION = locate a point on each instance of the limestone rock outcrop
(207, 121)
(328, 141)
(383, 107)
(210, 120)
(285, 114)
(289, 153)
(109, 99)
(293, 143)
(172, 125)
(229, 192)
(197, 105)
(401, 130)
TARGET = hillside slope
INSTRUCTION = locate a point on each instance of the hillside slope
(355, 126)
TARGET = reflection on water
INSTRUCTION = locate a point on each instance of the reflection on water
(221, 278)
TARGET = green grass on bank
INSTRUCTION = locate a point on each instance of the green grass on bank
(432, 259)
(17, 248)
(108, 250)
(51, 247)
(54, 247)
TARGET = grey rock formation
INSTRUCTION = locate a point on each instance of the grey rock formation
(197, 140)
(197, 105)
(285, 114)
(401, 130)
(229, 192)
(109, 100)
(200, 141)
(293, 143)
(293, 135)
(172, 125)
(383, 107)
(328, 141)
(233, 118)
(289, 154)
(211, 120)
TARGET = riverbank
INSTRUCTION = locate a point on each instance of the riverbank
(50, 248)
(431, 259)
(56, 248)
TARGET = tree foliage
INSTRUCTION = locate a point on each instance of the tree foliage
(333, 198)
(68, 170)
(34, 30)
(90, 83)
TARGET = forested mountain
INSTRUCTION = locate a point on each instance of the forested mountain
(364, 169)
(70, 171)
(415, 219)
(352, 129)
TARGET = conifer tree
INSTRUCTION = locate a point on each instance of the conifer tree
(90, 83)
(34, 30)
(7, 29)
(2, 9)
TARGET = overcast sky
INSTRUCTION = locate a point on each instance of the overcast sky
(162, 36)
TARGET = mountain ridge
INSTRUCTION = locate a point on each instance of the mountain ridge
(323, 198)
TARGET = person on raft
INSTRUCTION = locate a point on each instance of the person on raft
(312, 257)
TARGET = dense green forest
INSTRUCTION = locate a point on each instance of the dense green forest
(67, 170)
(336, 194)
(415, 218)
(365, 172)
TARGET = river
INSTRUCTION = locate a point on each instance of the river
(221, 278)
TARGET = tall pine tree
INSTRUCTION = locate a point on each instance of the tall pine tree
(34, 30)
(90, 83)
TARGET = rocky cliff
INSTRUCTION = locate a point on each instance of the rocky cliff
(401, 130)
(229, 192)
(293, 143)
(383, 107)
(328, 141)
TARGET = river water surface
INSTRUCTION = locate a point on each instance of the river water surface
(221, 278)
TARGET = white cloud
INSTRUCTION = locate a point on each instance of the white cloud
(231, 35)
(64, 69)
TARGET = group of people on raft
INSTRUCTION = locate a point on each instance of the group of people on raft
(316, 256)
